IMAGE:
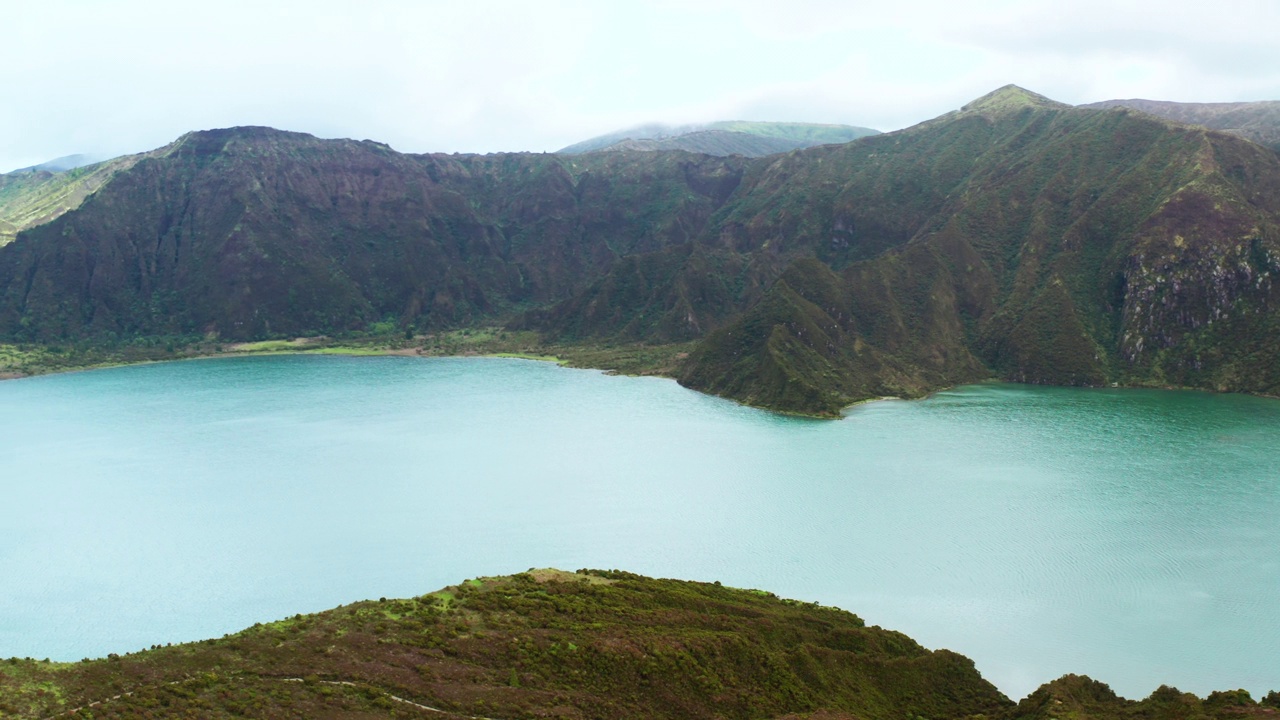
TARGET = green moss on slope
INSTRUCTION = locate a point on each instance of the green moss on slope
(34, 197)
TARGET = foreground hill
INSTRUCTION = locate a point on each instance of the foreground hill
(734, 137)
(1017, 238)
(1256, 121)
(546, 643)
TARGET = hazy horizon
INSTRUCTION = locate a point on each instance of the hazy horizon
(495, 75)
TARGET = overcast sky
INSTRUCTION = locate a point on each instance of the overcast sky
(110, 77)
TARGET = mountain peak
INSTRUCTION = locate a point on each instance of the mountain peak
(1011, 97)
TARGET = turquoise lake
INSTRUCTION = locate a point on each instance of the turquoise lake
(1130, 535)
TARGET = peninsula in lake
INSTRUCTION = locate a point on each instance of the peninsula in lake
(1015, 238)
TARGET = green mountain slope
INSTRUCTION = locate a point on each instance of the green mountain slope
(732, 137)
(1043, 243)
(1016, 237)
(253, 232)
(35, 196)
(1256, 121)
(809, 133)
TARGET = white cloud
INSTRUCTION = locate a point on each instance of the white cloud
(81, 76)
(1096, 50)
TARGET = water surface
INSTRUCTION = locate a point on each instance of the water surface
(1130, 535)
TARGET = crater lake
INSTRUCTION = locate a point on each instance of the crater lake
(1131, 535)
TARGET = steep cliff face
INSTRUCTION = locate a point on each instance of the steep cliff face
(1200, 299)
(1016, 237)
(248, 232)
(252, 232)
(1045, 244)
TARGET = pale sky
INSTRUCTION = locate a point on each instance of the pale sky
(111, 77)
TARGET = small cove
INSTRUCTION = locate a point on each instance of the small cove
(1127, 534)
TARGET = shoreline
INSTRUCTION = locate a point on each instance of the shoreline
(28, 361)
(636, 360)
(335, 351)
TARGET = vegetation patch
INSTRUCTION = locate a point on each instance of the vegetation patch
(586, 644)
(590, 644)
(266, 346)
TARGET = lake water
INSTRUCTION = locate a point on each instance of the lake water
(1130, 535)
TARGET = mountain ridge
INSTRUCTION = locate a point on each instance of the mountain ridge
(1020, 238)
(1258, 121)
(709, 142)
(1020, 350)
(729, 137)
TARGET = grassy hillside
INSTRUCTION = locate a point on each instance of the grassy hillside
(591, 644)
(36, 196)
(546, 643)
(1020, 239)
